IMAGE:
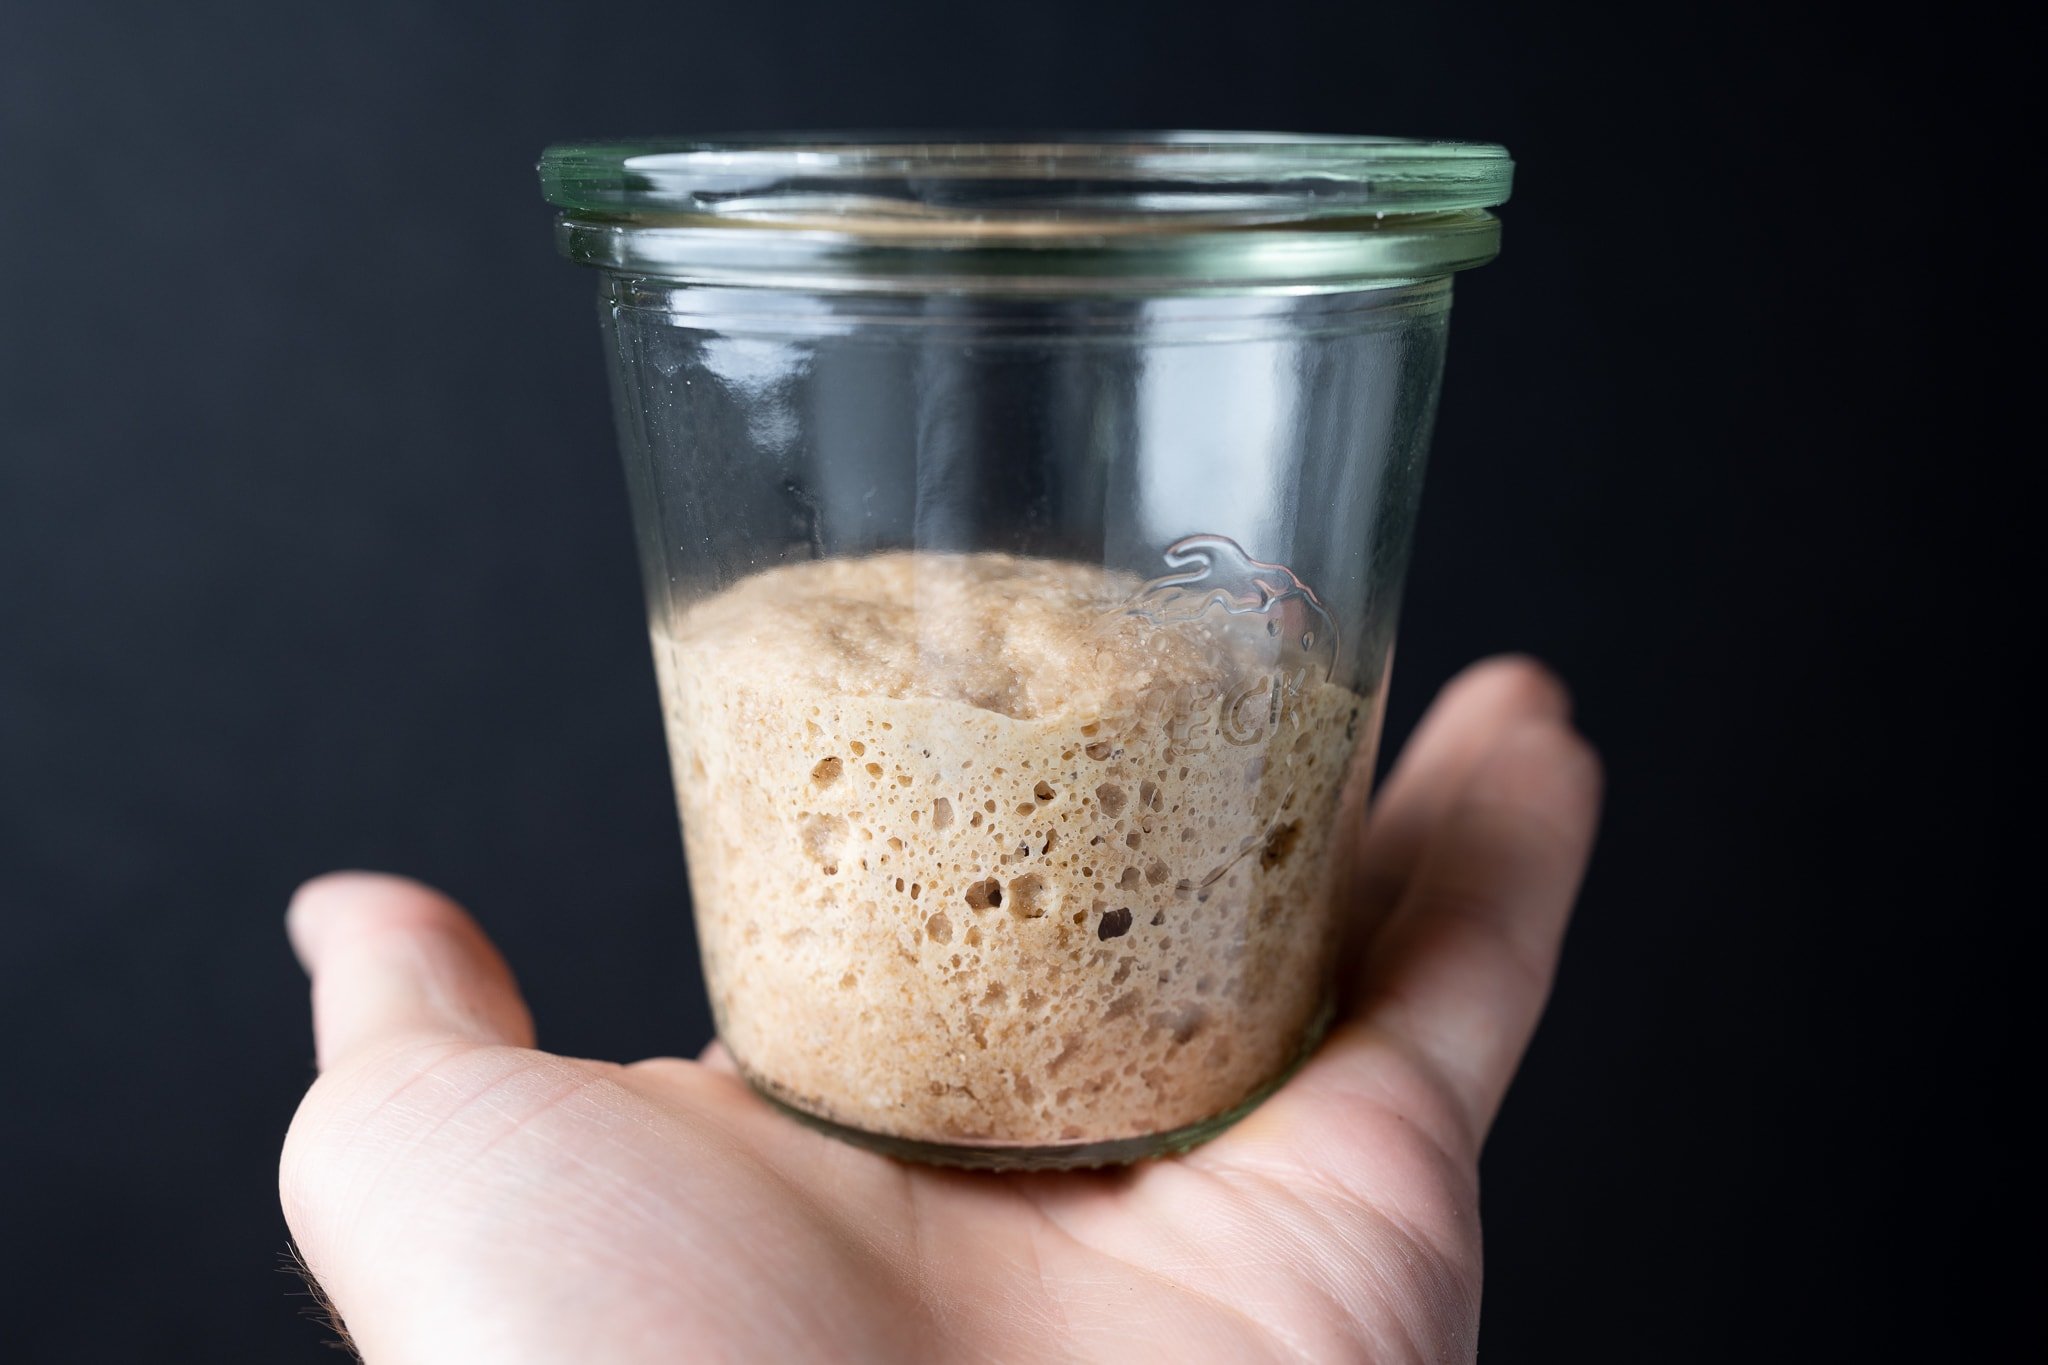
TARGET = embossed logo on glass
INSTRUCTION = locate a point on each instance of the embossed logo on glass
(1212, 572)
(1215, 571)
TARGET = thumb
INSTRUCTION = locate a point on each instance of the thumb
(392, 959)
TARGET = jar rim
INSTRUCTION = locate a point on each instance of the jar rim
(1048, 212)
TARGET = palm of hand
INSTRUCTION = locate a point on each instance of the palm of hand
(463, 1197)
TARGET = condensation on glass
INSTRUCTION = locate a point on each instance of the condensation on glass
(1023, 525)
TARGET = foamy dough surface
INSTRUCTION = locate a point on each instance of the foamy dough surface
(978, 857)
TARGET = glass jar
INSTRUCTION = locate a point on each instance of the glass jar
(1023, 525)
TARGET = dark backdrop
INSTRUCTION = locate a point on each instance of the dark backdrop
(313, 553)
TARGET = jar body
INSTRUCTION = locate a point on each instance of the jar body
(1015, 654)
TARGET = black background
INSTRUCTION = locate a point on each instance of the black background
(313, 553)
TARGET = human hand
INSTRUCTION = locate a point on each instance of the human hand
(462, 1197)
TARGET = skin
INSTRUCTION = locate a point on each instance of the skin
(462, 1196)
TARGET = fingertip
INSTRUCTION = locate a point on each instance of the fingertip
(389, 957)
(305, 913)
(1548, 767)
(1581, 764)
(320, 903)
(1519, 684)
(1465, 727)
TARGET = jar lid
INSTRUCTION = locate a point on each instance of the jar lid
(1124, 212)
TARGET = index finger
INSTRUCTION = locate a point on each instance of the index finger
(1473, 860)
(1462, 973)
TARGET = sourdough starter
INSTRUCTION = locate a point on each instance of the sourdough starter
(982, 856)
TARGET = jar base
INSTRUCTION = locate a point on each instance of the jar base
(1002, 1156)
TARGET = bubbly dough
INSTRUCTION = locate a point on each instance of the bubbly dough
(980, 857)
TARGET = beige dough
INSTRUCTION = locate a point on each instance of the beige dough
(981, 856)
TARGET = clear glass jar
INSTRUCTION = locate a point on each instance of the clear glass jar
(1023, 526)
